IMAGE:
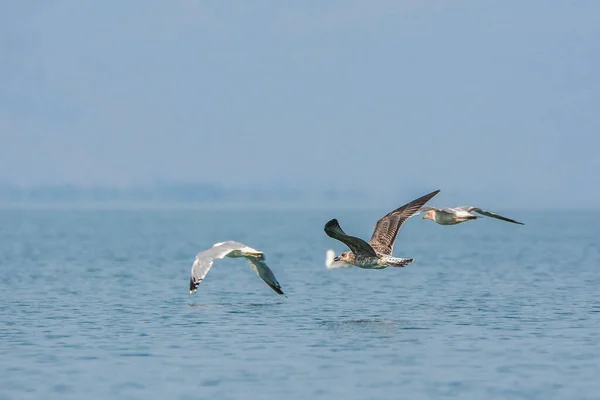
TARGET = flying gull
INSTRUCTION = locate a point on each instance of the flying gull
(377, 254)
(456, 215)
(256, 258)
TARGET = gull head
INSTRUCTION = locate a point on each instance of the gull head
(347, 257)
(429, 215)
(250, 252)
(331, 261)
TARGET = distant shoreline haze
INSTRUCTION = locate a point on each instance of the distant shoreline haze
(172, 193)
(216, 196)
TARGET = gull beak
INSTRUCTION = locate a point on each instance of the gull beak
(424, 216)
(256, 255)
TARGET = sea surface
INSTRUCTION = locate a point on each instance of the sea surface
(94, 304)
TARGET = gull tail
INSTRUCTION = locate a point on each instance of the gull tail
(467, 218)
(401, 262)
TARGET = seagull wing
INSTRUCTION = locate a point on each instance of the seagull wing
(387, 228)
(488, 214)
(265, 273)
(357, 245)
(204, 262)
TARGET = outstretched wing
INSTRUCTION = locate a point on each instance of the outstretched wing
(204, 262)
(357, 245)
(265, 273)
(488, 214)
(387, 228)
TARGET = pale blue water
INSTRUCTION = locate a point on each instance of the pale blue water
(95, 305)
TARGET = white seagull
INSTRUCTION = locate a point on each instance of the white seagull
(256, 258)
(456, 215)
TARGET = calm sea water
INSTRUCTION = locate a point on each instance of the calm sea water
(95, 305)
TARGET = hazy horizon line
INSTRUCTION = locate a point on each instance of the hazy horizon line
(162, 194)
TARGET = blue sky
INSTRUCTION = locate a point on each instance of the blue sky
(491, 101)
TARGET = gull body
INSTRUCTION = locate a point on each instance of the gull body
(256, 258)
(456, 215)
(377, 254)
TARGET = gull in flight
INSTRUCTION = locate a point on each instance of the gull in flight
(256, 258)
(377, 254)
(456, 215)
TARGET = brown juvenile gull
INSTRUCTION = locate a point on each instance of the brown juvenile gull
(377, 254)
(256, 258)
(456, 215)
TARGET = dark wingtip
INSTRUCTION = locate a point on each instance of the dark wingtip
(435, 192)
(278, 290)
(193, 285)
(423, 199)
(331, 224)
(332, 221)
